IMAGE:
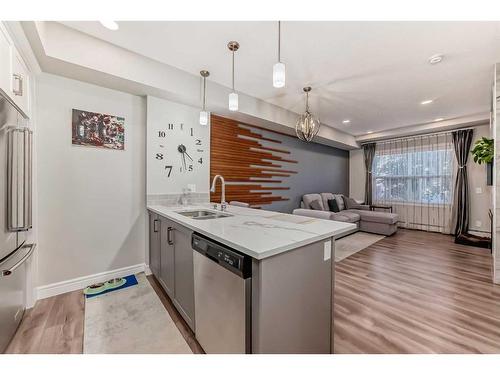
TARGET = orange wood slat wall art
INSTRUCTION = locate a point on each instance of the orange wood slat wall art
(253, 169)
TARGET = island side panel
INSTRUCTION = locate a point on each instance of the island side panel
(292, 300)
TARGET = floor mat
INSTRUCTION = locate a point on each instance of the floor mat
(349, 245)
(131, 321)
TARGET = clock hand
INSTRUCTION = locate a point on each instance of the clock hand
(184, 161)
(185, 153)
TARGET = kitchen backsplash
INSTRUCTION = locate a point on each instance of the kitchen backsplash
(177, 199)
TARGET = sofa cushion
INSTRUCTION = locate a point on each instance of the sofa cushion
(308, 198)
(377, 216)
(316, 205)
(350, 203)
(332, 204)
(325, 197)
(340, 201)
(346, 216)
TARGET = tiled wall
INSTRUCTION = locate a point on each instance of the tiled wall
(177, 199)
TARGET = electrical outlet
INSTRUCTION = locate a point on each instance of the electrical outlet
(192, 188)
(478, 223)
(479, 190)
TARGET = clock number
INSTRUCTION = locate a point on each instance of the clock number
(159, 156)
(170, 126)
(192, 132)
(190, 168)
(182, 126)
(169, 167)
(200, 160)
(198, 142)
(161, 134)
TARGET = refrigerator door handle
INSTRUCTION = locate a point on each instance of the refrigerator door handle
(27, 179)
(30, 181)
(9, 271)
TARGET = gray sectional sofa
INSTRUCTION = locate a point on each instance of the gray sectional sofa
(367, 221)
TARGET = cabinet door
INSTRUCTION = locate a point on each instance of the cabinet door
(167, 270)
(20, 83)
(154, 244)
(184, 277)
(5, 61)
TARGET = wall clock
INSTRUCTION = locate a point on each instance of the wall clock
(178, 148)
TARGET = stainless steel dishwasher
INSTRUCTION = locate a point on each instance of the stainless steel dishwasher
(222, 297)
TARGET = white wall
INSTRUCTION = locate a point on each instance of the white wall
(160, 113)
(480, 201)
(91, 202)
(480, 193)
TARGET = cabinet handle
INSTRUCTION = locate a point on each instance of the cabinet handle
(169, 237)
(17, 86)
(154, 225)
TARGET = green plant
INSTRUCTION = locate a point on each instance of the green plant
(483, 150)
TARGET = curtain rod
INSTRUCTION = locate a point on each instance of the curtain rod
(421, 135)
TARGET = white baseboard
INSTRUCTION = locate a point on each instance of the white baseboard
(147, 270)
(61, 287)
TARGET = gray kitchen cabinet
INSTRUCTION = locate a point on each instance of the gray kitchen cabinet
(154, 244)
(171, 261)
(167, 265)
(184, 276)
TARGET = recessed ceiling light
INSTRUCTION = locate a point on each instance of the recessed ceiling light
(435, 59)
(439, 119)
(346, 121)
(112, 25)
(369, 132)
(428, 101)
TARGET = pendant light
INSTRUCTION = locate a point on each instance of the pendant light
(307, 125)
(279, 67)
(233, 96)
(204, 114)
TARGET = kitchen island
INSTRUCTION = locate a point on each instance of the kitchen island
(286, 291)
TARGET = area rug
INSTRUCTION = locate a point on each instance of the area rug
(349, 245)
(131, 321)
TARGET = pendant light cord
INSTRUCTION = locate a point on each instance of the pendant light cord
(204, 92)
(279, 41)
(233, 70)
(307, 101)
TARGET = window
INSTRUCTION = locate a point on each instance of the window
(417, 170)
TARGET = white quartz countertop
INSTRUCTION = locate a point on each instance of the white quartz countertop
(257, 233)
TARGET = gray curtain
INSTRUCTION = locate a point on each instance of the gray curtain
(369, 155)
(462, 140)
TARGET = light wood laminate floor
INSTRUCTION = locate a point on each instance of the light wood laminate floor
(414, 292)
(55, 325)
(417, 292)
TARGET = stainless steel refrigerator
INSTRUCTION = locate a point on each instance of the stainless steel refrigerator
(15, 217)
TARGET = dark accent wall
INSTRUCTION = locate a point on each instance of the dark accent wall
(271, 170)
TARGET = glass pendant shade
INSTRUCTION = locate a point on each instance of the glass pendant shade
(279, 75)
(307, 127)
(233, 101)
(204, 115)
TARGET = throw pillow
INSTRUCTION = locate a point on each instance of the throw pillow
(340, 201)
(332, 204)
(350, 203)
(315, 205)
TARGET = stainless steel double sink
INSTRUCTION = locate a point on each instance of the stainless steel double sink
(203, 214)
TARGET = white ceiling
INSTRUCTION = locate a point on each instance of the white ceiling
(372, 73)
